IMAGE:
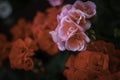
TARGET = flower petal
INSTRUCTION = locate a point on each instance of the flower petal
(54, 36)
(61, 46)
(55, 2)
(85, 37)
(66, 28)
(64, 11)
(75, 43)
(89, 8)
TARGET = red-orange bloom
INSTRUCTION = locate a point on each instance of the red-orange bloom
(21, 30)
(20, 56)
(107, 48)
(40, 31)
(85, 65)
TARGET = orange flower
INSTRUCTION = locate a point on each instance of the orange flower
(31, 44)
(20, 56)
(38, 19)
(86, 65)
(40, 31)
(73, 21)
(22, 29)
(68, 32)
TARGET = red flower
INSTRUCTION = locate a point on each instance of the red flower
(21, 30)
(86, 65)
(20, 56)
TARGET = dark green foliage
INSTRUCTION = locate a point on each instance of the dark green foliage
(107, 22)
(55, 67)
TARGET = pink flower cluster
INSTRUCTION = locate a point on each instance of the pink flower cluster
(73, 21)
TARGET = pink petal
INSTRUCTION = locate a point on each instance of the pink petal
(76, 15)
(75, 45)
(67, 27)
(78, 4)
(76, 42)
(67, 7)
(86, 25)
(64, 11)
(61, 45)
(55, 2)
(89, 8)
(85, 37)
(54, 36)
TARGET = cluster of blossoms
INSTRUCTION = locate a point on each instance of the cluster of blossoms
(109, 49)
(86, 65)
(73, 21)
(29, 37)
(39, 30)
(99, 62)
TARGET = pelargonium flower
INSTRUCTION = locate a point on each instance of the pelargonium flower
(66, 28)
(20, 56)
(76, 42)
(72, 23)
(69, 31)
(76, 16)
(88, 8)
(87, 65)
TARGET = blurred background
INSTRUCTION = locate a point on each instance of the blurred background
(106, 25)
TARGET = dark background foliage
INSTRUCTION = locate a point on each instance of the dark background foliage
(106, 25)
